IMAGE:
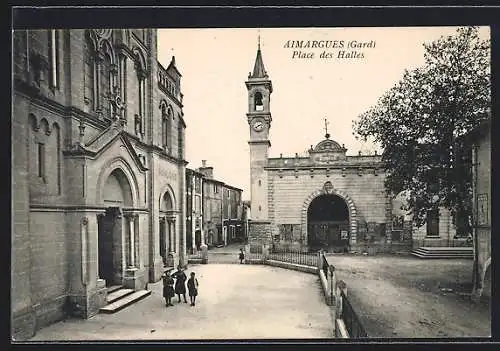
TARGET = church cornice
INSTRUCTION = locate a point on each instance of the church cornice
(157, 150)
(53, 106)
(257, 142)
(329, 166)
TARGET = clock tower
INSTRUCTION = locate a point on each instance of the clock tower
(259, 120)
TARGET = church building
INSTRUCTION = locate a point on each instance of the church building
(98, 170)
(325, 200)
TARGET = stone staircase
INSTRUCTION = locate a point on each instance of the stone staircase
(119, 297)
(444, 252)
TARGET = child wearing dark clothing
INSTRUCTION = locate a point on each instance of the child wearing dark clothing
(192, 285)
(180, 281)
(168, 289)
(241, 256)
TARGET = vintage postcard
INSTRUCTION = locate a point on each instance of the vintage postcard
(180, 184)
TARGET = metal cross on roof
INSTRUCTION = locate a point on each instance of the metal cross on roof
(326, 129)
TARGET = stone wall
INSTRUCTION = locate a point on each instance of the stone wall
(259, 232)
(288, 190)
(447, 232)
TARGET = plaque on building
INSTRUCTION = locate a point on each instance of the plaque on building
(344, 235)
(482, 209)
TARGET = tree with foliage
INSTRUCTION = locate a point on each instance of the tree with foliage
(421, 120)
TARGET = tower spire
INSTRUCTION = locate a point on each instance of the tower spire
(258, 69)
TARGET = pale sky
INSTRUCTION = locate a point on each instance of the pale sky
(215, 63)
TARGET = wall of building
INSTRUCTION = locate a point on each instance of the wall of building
(483, 210)
(446, 233)
(289, 189)
(212, 211)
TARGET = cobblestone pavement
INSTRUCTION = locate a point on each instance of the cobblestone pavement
(408, 297)
(235, 302)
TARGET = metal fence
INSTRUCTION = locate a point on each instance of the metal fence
(351, 319)
(325, 265)
(256, 252)
(294, 255)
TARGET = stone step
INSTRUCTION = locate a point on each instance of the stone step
(125, 301)
(118, 294)
(445, 248)
(441, 256)
(113, 288)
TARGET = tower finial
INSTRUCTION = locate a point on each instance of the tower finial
(326, 128)
(258, 39)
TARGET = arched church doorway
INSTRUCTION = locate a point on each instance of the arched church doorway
(167, 227)
(117, 194)
(328, 223)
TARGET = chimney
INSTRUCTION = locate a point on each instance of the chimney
(207, 171)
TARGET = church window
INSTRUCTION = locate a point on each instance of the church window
(258, 105)
(140, 66)
(180, 136)
(41, 160)
(54, 57)
(105, 84)
(433, 222)
(164, 126)
(88, 77)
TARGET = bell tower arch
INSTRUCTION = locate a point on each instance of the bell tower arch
(259, 119)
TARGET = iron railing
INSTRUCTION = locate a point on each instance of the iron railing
(325, 265)
(351, 319)
(255, 252)
(296, 256)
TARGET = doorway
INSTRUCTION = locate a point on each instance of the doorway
(328, 223)
(197, 239)
(163, 240)
(107, 227)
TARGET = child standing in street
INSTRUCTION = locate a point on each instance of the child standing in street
(192, 285)
(241, 255)
(180, 283)
(168, 289)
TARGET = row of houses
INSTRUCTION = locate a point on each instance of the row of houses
(215, 212)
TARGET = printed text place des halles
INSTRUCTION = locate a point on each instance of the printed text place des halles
(329, 49)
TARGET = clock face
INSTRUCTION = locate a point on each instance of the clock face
(258, 126)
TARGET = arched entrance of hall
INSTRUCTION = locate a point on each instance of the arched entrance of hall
(328, 223)
(117, 194)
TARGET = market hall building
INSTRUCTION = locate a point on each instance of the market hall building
(325, 200)
(98, 170)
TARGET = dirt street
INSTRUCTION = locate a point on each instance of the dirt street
(235, 302)
(407, 297)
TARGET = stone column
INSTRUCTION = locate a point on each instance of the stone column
(131, 262)
(174, 236)
(136, 240)
(170, 242)
(193, 235)
(203, 244)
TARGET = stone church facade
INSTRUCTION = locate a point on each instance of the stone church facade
(324, 200)
(98, 170)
